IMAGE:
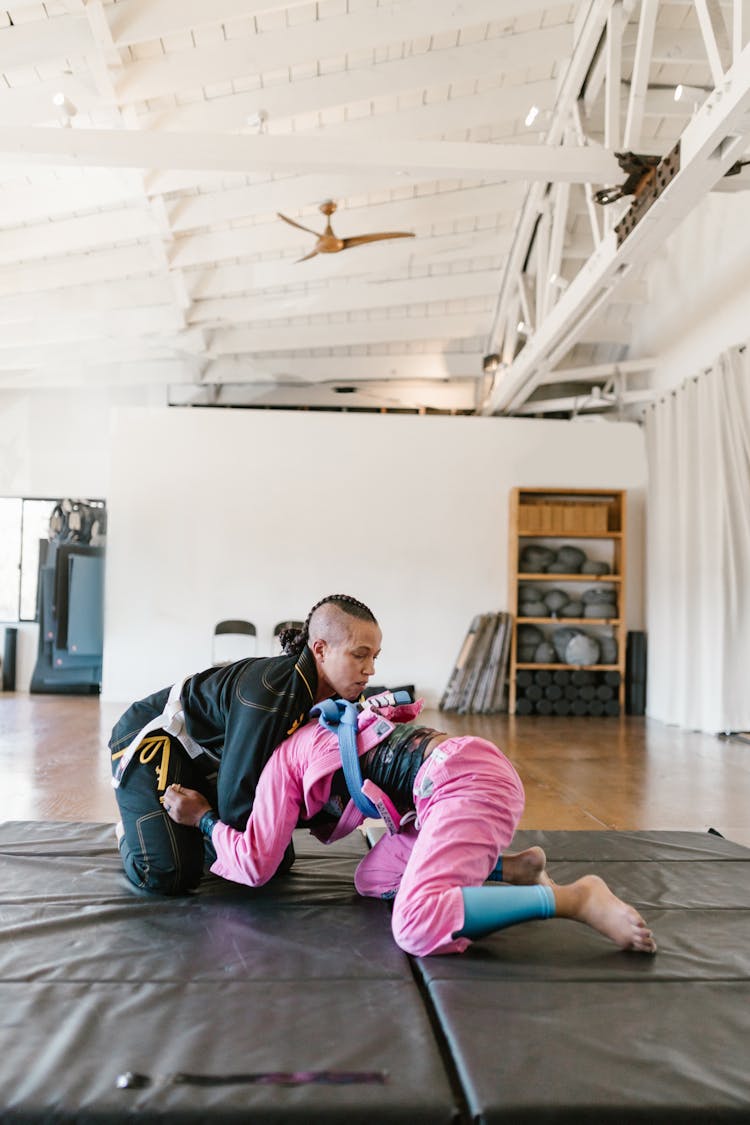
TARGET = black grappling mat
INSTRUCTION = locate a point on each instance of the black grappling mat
(293, 1004)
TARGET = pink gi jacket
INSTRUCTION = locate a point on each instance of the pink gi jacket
(296, 783)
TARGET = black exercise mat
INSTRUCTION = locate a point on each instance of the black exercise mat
(277, 1004)
(549, 1021)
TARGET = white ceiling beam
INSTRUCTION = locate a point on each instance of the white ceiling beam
(352, 297)
(415, 159)
(83, 300)
(449, 65)
(110, 324)
(335, 37)
(62, 354)
(596, 372)
(32, 105)
(343, 368)
(129, 373)
(71, 268)
(641, 67)
(71, 235)
(670, 45)
(494, 108)
(33, 42)
(586, 403)
(70, 190)
(298, 195)
(152, 19)
(710, 144)
(457, 326)
(137, 21)
(379, 262)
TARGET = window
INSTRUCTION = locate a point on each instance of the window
(22, 524)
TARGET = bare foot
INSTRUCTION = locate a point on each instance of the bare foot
(590, 900)
(521, 869)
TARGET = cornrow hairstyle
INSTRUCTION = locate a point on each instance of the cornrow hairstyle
(294, 640)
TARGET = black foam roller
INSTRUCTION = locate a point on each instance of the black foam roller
(9, 660)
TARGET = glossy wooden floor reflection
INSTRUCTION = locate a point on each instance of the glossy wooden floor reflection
(578, 772)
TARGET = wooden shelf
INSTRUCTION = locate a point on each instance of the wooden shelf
(569, 667)
(557, 517)
(570, 535)
(546, 577)
(561, 621)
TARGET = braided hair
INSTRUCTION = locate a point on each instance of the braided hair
(294, 640)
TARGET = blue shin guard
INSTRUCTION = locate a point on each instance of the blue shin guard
(487, 909)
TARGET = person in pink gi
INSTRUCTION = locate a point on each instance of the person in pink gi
(455, 802)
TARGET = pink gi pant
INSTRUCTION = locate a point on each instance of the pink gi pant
(469, 800)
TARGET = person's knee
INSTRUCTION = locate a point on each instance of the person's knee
(412, 930)
(161, 881)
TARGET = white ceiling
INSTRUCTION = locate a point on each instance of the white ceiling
(139, 237)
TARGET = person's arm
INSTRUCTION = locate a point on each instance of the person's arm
(253, 856)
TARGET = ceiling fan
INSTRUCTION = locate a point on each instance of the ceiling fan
(329, 243)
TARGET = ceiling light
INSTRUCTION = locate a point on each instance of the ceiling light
(490, 363)
(521, 327)
(678, 92)
(258, 121)
(532, 115)
(64, 106)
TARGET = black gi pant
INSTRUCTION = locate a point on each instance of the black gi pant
(158, 854)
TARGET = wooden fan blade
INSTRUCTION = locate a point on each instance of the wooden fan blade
(312, 254)
(299, 226)
(359, 239)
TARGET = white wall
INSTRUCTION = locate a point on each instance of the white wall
(258, 514)
(699, 290)
(56, 443)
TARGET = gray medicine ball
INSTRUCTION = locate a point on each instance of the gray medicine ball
(582, 649)
(594, 566)
(572, 557)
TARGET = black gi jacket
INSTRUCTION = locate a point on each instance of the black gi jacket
(240, 713)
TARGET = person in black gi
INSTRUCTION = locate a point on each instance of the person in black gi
(215, 731)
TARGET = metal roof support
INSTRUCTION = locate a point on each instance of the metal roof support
(740, 26)
(613, 77)
(589, 26)
(587, 188)
(711, 142)
(641, 63)
(714, 32)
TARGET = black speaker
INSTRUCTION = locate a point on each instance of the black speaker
(635, 674)
(9, 660)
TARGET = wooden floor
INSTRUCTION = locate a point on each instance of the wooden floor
(578, 772)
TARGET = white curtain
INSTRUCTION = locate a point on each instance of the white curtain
(698, 550)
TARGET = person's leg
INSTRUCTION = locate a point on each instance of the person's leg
(469, 800)
(588, 900)
(159, 855)
(380, 873)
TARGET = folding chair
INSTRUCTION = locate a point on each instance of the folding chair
(238, 641)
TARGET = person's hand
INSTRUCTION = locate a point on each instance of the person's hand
(184, 806)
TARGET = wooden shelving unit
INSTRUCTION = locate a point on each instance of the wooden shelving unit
(592, 520)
